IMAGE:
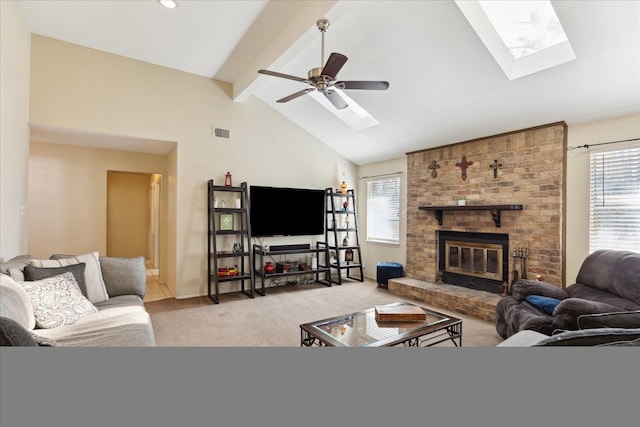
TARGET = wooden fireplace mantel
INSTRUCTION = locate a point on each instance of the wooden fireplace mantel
(496, 210)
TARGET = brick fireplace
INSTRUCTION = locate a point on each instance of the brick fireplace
(525, 167)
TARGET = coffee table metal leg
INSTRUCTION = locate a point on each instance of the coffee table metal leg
(455, 332)
(413, 342)
(307, 340)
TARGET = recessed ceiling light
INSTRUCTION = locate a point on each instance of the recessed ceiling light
(169, 4)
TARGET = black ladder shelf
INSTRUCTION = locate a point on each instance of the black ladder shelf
(341, 236)
(226, 221)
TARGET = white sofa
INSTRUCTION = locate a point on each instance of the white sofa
(74, 301)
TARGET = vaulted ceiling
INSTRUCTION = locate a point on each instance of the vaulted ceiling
(445, 86)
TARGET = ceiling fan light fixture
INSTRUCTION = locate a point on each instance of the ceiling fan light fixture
(328, 92)
(168, 4)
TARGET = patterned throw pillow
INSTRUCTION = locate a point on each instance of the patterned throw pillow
(57, 301)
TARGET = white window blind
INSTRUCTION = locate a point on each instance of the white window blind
(615, 200)
(383, 209)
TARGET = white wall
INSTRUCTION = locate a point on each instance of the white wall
(15, 52)
(372, 252)
(617, 129)
(87, 90)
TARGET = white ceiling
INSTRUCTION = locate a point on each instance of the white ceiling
(445, 86)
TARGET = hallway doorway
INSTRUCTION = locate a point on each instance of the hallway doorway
(133, 223)
(133, 215)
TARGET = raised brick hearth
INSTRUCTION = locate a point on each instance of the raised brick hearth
(472, 302)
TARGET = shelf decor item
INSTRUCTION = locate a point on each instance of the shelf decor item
(343, 187)
(227, 179)
(269, 267)
(461, 201)
(226, 222)
(348, 255)
(228, 271)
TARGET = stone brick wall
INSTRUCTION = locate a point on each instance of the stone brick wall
(532, 174)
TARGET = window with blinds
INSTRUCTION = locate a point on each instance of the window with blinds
(383, 210)
(615, 200)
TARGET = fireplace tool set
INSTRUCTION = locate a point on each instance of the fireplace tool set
(520, 256)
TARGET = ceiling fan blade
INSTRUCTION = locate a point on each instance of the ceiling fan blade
(335, 98)
(370, 85)
(284, 76)
(334, 64)
(296, 95)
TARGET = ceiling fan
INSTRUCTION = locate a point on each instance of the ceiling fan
(323, 79)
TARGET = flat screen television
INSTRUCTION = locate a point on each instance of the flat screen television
(281, 211)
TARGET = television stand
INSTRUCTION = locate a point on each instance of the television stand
(259, 253)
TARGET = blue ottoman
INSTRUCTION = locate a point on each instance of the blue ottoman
(386, 271)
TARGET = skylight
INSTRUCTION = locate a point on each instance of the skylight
(524, 37)
(354, 115)
(525, 27)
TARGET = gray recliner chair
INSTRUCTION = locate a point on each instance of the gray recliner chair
(608, 282)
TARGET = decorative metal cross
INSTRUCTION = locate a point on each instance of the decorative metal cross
(434, 166)
(463, 165)
(495, 166)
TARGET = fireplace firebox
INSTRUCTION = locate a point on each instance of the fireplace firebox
(474, 260)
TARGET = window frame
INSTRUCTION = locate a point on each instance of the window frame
(376, 215)
(611, 195)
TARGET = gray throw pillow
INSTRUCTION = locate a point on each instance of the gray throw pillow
(32, 273)
(590, 337)
(12, 334)
(124, 276)
(623, 319)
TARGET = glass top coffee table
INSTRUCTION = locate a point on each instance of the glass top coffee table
(361, 329)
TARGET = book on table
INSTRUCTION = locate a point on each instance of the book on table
(399, 313)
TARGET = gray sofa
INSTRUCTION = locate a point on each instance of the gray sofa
(74, 301)
(594, 330)
(608, 281)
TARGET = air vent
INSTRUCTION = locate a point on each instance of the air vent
(222, 133)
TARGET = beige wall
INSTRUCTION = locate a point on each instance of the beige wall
(372, 252)
(617, 129)
(15, 51)
(83, 89)
(68, 196)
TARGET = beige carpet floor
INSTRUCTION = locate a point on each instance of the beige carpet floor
(274, 320)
